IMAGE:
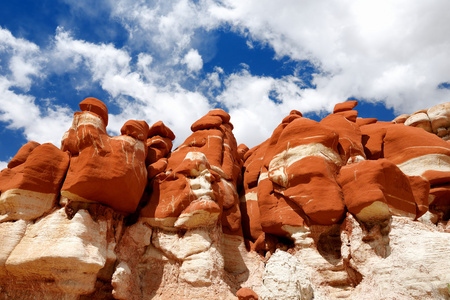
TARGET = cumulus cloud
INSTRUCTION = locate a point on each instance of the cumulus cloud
(20, 58)
(193, 61)
(390, 51)
(20, 110)
(134, 86)
(258, 104)
(3, 165)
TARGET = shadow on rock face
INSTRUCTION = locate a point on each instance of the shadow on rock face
(329, 245)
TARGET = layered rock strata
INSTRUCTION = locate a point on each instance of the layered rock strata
(342, 208)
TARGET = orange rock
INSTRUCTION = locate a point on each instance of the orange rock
(95, 106)
(246, 294)
(421, 190)
(365, 121)
(372, 138)
(42, 171)
(23, 153)
(136, 129)
(375, 190)
(159, 142)
(242, 149)
(199, 185)
(402, 143)
(416, 152)
(251, 221)
(345, 106)
(102, 169)
(343, 122)
(162, 130)
(30, 185)
(156, 168)
(296, 179)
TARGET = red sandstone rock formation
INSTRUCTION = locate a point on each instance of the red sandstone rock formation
(351, 195)
(417, 153)
(197, 185)
(30, 186)
(159, 142)
(376, 189)
(104, 169)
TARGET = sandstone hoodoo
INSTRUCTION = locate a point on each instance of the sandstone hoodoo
(104, 169)
(344, 208)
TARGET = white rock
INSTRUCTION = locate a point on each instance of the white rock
(419, 165)
(70, 252)
(121, 281)
(173, 246)
(234, 253)
(202, 268)
(285, 278)
(10, 235)
(18, 204)
(419, 120)
(439, 116)
(414, 266)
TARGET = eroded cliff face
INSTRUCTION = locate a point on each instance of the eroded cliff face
(342, 208)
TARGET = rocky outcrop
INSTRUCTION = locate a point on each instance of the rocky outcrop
(104, 169)
(342, 208)
(435, 120)
(30, 186)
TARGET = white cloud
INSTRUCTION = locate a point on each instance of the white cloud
(391, 51)
(102, 60)
(193, 61)
(138, 93)
(3, 165)
(20, 111)
(21, 57)
(168, 27)
(258, 104)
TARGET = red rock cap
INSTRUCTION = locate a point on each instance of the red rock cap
(136, 129)
(96, 106)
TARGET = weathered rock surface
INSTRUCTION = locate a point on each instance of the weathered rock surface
(30, 186)
(400, 261)
(285, 278)
(102, 169)
(435, 120)
(344, 208)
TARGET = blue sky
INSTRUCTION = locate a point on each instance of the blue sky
(175, 60)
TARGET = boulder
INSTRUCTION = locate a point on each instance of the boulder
(246, 294)
(297, 181)
(374, 190)
(159, 142)
(104, 169)
(343, 122)
(68, 253)
(30, 186)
